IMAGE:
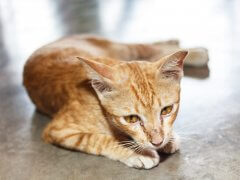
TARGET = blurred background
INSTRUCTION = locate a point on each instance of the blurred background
(210, 106)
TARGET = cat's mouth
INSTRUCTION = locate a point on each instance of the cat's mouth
(160, 144)
(148, 145)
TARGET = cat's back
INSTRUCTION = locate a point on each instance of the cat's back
(52, 73)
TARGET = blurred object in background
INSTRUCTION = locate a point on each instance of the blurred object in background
(28, 24)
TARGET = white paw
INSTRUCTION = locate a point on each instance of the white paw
(142, 161)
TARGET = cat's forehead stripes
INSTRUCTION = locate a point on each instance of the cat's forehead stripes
(141, 86)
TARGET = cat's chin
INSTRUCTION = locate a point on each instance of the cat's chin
(156, 148)
(152, 147)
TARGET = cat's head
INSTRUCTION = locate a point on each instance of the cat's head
(142, 97)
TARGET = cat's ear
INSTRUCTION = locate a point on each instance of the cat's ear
(172, 66)
(100, 74)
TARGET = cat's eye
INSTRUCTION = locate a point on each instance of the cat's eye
(167, 110)
(132, 118)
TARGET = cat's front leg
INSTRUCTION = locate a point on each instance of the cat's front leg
(99, 144)
(172, 146)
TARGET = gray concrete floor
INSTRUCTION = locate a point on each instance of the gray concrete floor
(209, 119)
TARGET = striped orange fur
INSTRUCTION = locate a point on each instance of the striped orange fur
(88, 85)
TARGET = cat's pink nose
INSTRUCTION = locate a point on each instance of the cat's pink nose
(157, 143)
(156, 139)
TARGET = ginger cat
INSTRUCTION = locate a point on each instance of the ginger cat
(104, 99)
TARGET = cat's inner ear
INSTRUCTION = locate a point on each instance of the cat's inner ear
(101, 75)
(102, 86)
(172, 66)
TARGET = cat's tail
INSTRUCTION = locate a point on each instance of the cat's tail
(197, 57)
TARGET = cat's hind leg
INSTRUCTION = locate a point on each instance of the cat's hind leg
(173, 42)
(154, 51)
(197, 57)
(147, 51)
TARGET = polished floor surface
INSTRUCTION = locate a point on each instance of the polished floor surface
(209, 119)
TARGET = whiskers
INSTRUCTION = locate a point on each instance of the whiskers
(136, 147)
